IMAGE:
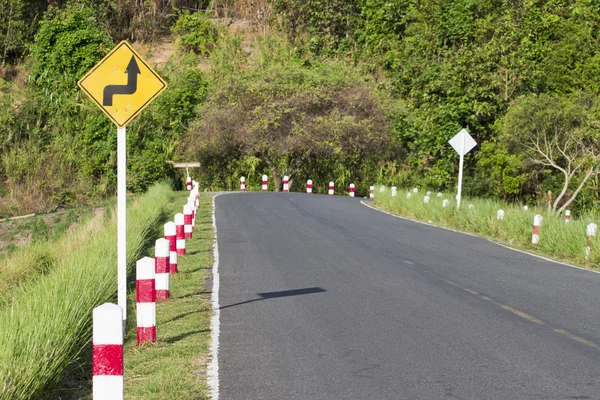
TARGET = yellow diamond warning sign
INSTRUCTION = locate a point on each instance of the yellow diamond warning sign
(122, 84)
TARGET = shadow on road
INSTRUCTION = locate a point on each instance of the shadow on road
(283, 293)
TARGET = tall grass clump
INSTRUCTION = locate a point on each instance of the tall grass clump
(39, 258)
(558, 240)
(49, 322)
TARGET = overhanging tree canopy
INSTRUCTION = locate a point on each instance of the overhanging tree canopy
(286, 115)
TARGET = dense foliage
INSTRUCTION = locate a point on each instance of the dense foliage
(476, 64)
(286, 116)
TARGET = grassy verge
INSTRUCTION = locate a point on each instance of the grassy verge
(48, 323)
(174, 366)
(40, 257)
(565, 242)
(18, 233)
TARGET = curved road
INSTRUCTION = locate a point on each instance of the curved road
(324, 298)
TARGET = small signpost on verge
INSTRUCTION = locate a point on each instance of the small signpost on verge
(462, 143)
(186, 165)
(122, 85)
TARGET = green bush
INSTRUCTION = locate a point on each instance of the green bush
(197, 32)
(66, 46)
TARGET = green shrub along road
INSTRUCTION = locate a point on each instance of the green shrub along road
(509, 72)
(49, 322)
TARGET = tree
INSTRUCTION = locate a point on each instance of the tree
(559, 132)
(288, 115)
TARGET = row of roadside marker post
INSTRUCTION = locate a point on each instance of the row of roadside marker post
(152, 285)
(309, 186)
(591, 228)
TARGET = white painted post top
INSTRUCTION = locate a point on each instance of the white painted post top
(162, 248)
(170, 229)
(179, 219)
(144, 268)
(108, 324)
(591, 229)
(537, 220)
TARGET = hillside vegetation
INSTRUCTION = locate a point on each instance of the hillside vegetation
(358, 91)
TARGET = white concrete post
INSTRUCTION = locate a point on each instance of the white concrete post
(107, 352)
(265, 183)
(591, 234)
(537, 228)
(286, 184)
(145, 293)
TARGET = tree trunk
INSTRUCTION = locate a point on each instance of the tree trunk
(276, 173)
(585, 179)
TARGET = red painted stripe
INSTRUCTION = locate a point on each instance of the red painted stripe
(536, 230)
(146, 334)
(107, 359)
(161, 265)
(179, 232)
(173, 268)
(188, 235)
(162, 295)
(181, 252)
(309, 186)
(172, 242)
(145, 291)
(187, 219)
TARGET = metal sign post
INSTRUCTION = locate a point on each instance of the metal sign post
(462, 143)
(122, 219)
(122, 84)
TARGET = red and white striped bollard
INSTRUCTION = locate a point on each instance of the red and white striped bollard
(330, 192)
(161, 268)
(351, 190)
(192, 204)
(242, 184)
(265, 183)
(567, 216)
(187, 222)
(309, 186)
(286, 184)
(145, 294)
(371, 192)
(180, 234)
(537, 228)
(171, 236)
(107, 352)
(188, 183)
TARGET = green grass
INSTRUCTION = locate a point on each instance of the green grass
(48, 323)
(565, 242)
(174, 366)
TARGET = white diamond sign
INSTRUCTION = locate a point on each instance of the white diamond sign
(462, 142)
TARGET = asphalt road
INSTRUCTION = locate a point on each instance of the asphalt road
(324, 298)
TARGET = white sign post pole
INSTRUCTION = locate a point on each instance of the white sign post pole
(460, 171)
(122, 220)
(462, 143)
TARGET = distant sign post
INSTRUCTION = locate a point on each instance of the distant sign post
(122, 85)
(462, 143)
